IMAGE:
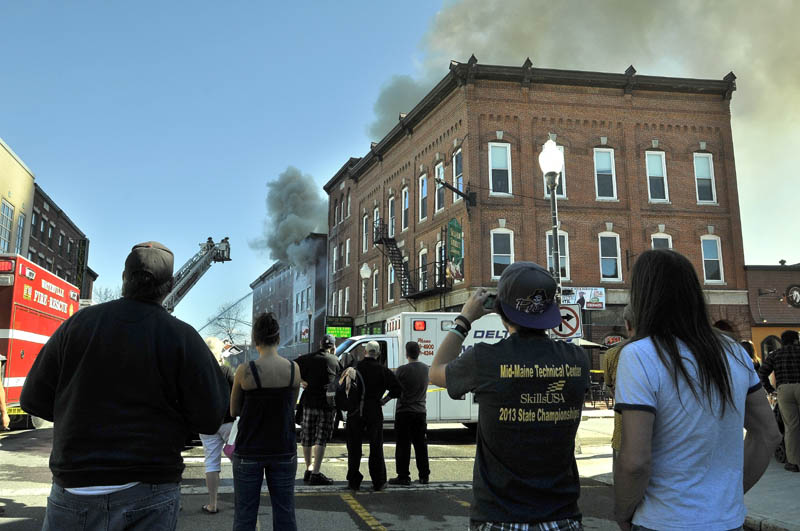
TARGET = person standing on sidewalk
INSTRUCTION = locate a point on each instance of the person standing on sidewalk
(685, 391)
(124, 382)
(377, 380)
(529, 391)
(785, 362)
(610, 363)
(318, 370)
(212, 444)
(410, 425)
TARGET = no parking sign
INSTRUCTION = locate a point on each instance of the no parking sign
(570, 325)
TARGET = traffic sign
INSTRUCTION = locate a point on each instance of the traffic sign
(571, 325)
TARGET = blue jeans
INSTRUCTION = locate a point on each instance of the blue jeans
(635, 527)
(248, 476)
(145, 507)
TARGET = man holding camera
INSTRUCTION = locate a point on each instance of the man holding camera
(530, 391)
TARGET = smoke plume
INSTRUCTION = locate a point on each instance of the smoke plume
(295, 209)
(683, 38)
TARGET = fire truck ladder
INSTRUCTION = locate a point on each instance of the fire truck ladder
(188, 275)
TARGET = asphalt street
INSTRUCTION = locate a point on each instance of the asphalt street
(442, 504)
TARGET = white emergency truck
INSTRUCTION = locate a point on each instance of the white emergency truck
(428, 329)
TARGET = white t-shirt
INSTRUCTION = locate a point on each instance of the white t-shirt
(697, 457)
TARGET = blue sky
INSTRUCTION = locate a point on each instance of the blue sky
(165, 120)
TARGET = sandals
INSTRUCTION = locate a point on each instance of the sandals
(209, 511)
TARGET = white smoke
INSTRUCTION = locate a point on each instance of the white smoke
(295, 209)
(215, 345)
(683, 38)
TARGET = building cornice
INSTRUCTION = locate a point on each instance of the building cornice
(16, 158)
(466, 73)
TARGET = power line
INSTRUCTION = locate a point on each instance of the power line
(223, 311)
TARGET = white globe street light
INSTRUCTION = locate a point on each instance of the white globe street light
(365, 272)
(551, 161)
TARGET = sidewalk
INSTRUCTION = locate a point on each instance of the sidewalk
(773, 504)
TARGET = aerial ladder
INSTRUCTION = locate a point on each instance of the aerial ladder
(188, 275)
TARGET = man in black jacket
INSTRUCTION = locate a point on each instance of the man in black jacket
(124, 382)
(377, 380)
(318, 370)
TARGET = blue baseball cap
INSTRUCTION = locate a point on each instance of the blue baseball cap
(527, 295)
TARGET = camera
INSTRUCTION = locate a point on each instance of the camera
(489, 302)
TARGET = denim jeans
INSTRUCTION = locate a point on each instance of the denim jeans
(248, 476)
(635, 527)
(145, 507)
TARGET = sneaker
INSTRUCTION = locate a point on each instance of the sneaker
(400, 481)
(423, 480)
(320, 479)
(791, 468)
(379, 487)
(307, 476)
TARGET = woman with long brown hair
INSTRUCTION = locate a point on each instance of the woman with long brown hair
(685, 392)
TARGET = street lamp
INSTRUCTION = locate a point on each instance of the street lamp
(551, 161)
(365, 273)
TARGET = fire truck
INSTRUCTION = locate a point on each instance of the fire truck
(34, 302)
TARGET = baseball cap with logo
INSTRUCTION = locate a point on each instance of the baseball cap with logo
(372, 346)
(151, 257)
(527, 292)
(327, 341)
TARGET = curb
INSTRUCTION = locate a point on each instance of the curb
(757, 522)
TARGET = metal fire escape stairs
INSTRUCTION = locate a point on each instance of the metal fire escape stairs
(191, 272)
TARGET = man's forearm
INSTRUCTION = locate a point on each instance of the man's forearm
(447, 352)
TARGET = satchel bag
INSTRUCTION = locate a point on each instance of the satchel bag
(230, 446)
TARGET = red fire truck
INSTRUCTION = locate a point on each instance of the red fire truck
(33, 303)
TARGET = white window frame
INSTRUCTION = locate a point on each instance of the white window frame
(713, 200)
(389, 282)
(613, 175)
(405, 209)
(508, 160)
(347, 252)
(333, 305)
(376, 221)
(717, 240)
(365, 233)
(423, 177)
(437, 262)
(563, 252)
(492, 253)
(375, 287)
(341, 307)
(423, 286)
(663, 156)
(335, 256)
(346, 300)
(562, 181)
(614, 235)
(391, 214)
(336, 212)
(439, 173)
(348, 203)
(662, 236)
(457, 197)
(341, 209)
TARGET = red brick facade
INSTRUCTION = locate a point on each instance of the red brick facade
(585, 111)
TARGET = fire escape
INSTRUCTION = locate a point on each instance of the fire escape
(424, 281)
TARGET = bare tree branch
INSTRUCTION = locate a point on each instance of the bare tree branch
(231, 324)
(104, 294)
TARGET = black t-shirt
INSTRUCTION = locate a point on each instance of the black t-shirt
(228, 373)
(413, 377)
(318, 369)
(377, 380)
(530, 394)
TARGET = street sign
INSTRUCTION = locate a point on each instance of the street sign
(571, 325)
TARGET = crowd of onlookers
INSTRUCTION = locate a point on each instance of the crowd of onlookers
(125, 380)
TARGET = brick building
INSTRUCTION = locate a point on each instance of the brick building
(296, 296)
(774, 293)
(648, 162)
(58, 245)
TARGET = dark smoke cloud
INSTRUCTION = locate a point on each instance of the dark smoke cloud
(682, 38)
(295, 209)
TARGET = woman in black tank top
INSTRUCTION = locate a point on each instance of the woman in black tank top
(264, 395)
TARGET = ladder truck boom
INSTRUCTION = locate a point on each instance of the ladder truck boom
(188, 275)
